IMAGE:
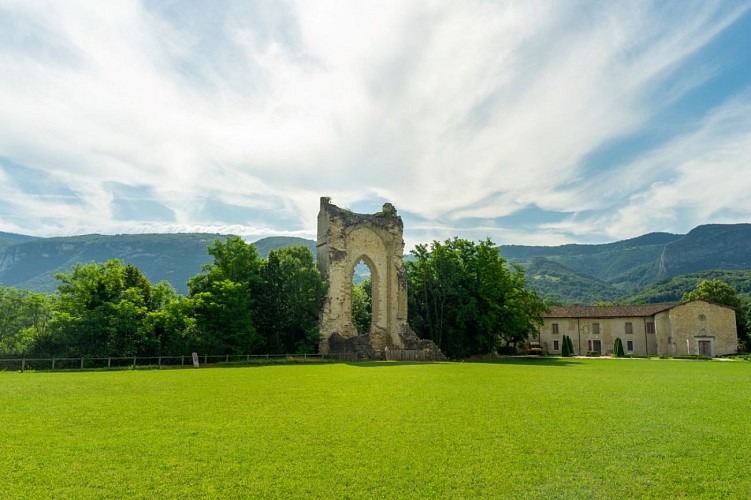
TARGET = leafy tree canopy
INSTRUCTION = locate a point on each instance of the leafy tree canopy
(466, 299)
(714, 291)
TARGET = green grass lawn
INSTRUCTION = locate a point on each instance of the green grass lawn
(542, 428)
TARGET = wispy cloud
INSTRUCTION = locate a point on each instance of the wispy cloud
(240, 116)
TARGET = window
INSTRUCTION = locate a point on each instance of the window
(594, 346)
(554, 326)
(556, 345)
(630, 345)
(596, 328)
(629, 328)
(650, 327)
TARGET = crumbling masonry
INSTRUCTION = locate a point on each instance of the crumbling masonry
(344, 239)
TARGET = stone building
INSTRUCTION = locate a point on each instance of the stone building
(695, 327)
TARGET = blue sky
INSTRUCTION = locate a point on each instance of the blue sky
(535, 122)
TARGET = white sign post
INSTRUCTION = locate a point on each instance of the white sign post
(195, 360)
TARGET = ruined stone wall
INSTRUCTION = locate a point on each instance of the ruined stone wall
(344, 239)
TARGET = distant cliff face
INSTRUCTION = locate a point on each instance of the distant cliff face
(713, 246)
(613, 271)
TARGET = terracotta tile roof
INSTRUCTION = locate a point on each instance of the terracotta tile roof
(607, 311)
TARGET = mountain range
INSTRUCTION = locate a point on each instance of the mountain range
(31, 263)
(643, 269)
(622, 271)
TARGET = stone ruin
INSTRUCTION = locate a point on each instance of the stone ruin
(344, 239)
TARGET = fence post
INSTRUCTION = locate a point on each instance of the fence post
(81, 362)
(109, 362)
(226, 360)
(53, 364)
(182, 360)
(160, 362)
(134, 361)
(23, 364)
(205, 359)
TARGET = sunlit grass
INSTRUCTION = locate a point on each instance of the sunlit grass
(544, 428)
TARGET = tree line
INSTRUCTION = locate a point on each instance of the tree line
(462, 295)
(238, 304)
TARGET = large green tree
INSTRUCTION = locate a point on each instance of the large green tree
(225, 296)
(290, 301)
(465, 298)
(101, 311)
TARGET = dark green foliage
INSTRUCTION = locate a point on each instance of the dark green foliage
(239, 304)
(714, 291)
(290, 300)
(618, 351)
(24, 320)
(565, 347)
(225, 296)
(106, 309)
(362, 305)
(466, 299)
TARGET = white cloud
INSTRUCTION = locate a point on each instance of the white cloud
(449, 110)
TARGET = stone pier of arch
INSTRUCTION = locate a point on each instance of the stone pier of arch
(344, 239)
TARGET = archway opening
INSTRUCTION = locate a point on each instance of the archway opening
(362, 297)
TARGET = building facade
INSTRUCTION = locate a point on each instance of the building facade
(697, 327)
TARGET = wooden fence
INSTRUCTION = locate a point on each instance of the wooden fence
(407, 355)
(86, 363)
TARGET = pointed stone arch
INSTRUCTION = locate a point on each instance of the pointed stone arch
(344, 239)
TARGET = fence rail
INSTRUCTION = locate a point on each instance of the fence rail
(91, 363)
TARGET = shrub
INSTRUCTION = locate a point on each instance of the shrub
(570, 346)
(565, 348)
(618, 348)
(692, 356)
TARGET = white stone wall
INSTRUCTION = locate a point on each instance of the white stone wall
(677, 331)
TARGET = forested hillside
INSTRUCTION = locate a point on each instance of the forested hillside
(31, 263)
(10, 239)
(634, 269)
(672, 289)
(638, 269)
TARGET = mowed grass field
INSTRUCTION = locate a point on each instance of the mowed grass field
(536, 428)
